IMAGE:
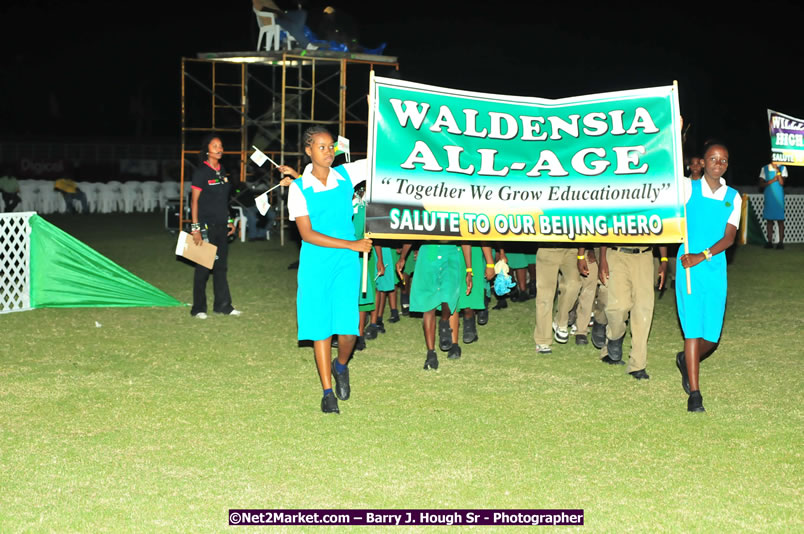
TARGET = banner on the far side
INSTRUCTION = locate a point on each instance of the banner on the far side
(786, 138)
(457, 165)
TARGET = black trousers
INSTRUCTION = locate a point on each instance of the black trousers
(11, 200)
(220, 286)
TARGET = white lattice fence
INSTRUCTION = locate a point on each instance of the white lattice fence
(15, 262)
(793, 217)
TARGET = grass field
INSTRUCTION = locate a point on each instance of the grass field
(156, 421)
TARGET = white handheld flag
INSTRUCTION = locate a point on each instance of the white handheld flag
(261, 201)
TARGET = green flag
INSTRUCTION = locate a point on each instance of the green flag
(66, 273)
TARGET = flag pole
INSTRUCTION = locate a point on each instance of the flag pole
(684, 193)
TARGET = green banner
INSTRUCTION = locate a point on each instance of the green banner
(449, 164)
(786, 138)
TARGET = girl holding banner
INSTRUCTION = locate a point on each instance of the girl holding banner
(713, 215)
(320, 202)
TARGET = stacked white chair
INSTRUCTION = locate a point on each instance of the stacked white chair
(29, 192)
(50, 200)
(150, 195)
(169, 190)
(92, 191)
(109, 196)
(132, 196)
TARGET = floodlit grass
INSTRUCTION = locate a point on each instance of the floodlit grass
(155, 421)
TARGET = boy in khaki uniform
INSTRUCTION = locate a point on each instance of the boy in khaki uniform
(627, 272)
(549, 261)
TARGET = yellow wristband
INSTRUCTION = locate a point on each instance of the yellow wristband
(468, 269)
(489, 266)
(581, 257)
(707, 254)
(663, 259)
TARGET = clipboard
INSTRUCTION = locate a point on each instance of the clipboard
(203, 254)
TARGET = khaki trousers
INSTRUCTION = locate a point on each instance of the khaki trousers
(630, 292)
(549, 261)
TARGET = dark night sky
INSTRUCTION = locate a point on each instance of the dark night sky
(72, 69)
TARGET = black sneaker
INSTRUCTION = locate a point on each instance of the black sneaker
(502, 303)
(606, 359)
(640, 375)
(681, 363)
(469, 330)
(444, 335)
(360, 344)
(769, 245)
(334, 341)
(454, 352)
(598, 335)
(406, 310)
(483, 316)
(394, 316)
(580, 339)
(371, 332)
(329, 404)
(380, 327)
(780, 246)
(432, 360)
(615, 347)
(342, 388)
(695, 402)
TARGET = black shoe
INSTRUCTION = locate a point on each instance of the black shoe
(334, 342)
(482, 317)
(394, 316)
(371, 332)
(342, 388)
(532, 290)
(580, 339)
(768, 245)
(329, 404)
(469, 330)
(406, 310)
(502, 303)
(615, 347)
(780, 246)
(380, 327)
(444, 335)
(292, 266)
(606, 359)
(640, 375)
(454, 352)
(360, 344)
(695, 402)
(598, 335)
(432, 360)
(681, 363)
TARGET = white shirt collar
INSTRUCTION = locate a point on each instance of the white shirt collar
(308, 180)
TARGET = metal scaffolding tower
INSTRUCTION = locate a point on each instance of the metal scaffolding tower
(267, 99)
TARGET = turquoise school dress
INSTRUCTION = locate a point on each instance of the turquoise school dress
(774, 194)
(328, 278)
(440, 275)
(388, 281)
(701, 313)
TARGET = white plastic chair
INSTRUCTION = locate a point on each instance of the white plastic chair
(168, 190)
(150, 195)
(132, 196)
(29, 192)
(109, 197)
(269, 29)
(51, 201)
(92, 192)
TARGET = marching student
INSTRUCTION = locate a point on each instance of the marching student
(320, 202)
(713, 215)
(438, 281)
(474, 302)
